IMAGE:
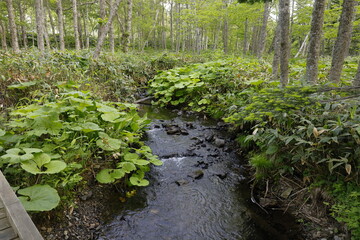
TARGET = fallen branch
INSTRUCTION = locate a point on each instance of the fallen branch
(144, 99)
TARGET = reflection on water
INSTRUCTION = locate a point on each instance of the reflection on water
(196, 194)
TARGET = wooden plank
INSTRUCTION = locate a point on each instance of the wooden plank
(18, 217)
(4, 223)
(2, 213)
(8, 234)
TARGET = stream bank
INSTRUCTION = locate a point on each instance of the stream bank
(200, 192)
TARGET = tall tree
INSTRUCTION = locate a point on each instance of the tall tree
(39, 25)
(284, 23)
(356, 81)
(102, 14)
(276, 58)
(76, 25)
(317, 22)
(343, 39)
(3, 35)
(127, 28)
(22, 28)
(101, 39)
(12, 26)
(59, 12)
(262, 38)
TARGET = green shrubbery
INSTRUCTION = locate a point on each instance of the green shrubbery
(52, 140)
(294, 130)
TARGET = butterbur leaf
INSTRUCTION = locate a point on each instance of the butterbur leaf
(131, 156)
(127, 166)
(138, 180)
(90, 127)
(48, 168)
(348, 168)
(110, 117)
(109, 175)
(39, 198)
(107, 143)
(14, 155)
(2, 132)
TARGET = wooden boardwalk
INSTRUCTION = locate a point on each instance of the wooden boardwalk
(15, 223)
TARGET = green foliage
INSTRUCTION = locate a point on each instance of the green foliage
(39, 198)
(58, 137)
(347, 207)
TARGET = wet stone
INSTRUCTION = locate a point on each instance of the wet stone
(219, 142)
(181, 182)
(197, 174)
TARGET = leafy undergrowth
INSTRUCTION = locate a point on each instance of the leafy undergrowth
(48, 144)
(299, 130)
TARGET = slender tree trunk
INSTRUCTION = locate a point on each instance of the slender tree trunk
(76, 28)
(3, 36)
(40, 25)
(12, 26)
(163, 32)
(303, 46)
(87, 41)
(22, 28)
(52, 25)
(102, 16)
(342, 44)
(276, 59)
(356, 81)
(177, 24)
(101, 39)
(46, 32)
(262, 39)
(171, 25)
(127, 27)
(317, 22)
(225, 32)
(284, 21)
(59, 12)
(246, 26)
(111, 33)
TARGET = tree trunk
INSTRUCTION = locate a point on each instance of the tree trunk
(40, 25)
(171, 26)
(101, 39)
(46, 33)
(284, 21)
(12, 26)
(303, 46)
(127, 27)
(75, 21)
(356, 81)
(262, 39)
(317, 22)
(102, 14)
(3, 36)
(343, 40)
(246, 26)
(23, 30)
(52, 25)
(276, 59)
(111, 33)
(225, 32)
(59, 12)
(87, 41)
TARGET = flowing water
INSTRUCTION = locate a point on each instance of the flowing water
(198, 193)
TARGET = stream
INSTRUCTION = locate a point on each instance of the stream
(200, 191)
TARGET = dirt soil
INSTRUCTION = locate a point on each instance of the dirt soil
(84, 220)
(291, 195)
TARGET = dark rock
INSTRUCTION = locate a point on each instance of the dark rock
(190, 125)
(219, 142)
(184, 132)
(172, 129)
(197, 174)
(222, 176)
(181, 182)
(202, 164)
(86, 195)
(203, 145)
(209, 137)
(156, 126)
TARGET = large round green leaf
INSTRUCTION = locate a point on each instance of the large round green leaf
(107, 143)
(109, 175)
(138, 181)
(127, 166)
(39, 198)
